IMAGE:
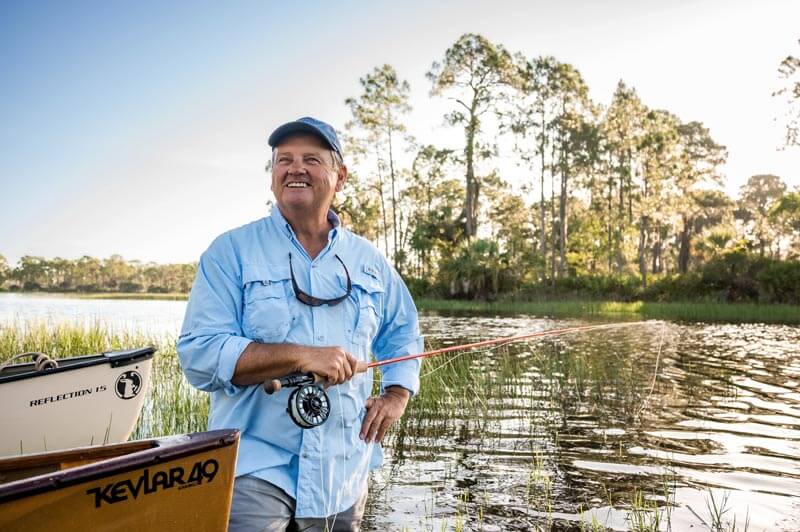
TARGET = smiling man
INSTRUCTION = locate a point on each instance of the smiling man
(297, 292)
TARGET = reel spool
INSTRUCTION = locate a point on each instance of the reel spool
(309, 406)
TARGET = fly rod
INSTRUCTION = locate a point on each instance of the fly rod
(309, 405)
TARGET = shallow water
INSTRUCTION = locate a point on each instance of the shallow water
(675, 413)
(150, 317)
(561, 433)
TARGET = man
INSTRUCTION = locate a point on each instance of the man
(296, 291)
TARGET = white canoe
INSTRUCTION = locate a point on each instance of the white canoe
(86, 400)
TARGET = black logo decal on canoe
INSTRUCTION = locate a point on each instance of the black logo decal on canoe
(147, 483)
(128, 385)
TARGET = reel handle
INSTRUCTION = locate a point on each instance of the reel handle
(301, 379)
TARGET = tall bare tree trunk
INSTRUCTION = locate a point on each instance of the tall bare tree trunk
(684, 253)
(620, 231)
(394, 202)
(610, 217)
(657, 267)
(630, 187)
(471, 200)
(553, 217)
(383, 212)
(543, 229)
(643, 249)
(643, 230)
(562, 216)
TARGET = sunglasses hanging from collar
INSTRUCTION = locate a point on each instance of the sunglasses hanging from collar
(311, 301)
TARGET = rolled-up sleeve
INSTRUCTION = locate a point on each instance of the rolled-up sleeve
(211, 338)
(399, 335)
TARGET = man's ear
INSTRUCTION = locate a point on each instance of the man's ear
(341, 178)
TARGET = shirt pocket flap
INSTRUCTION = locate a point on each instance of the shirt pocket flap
(264, 281)
(367, 279)
(266, 315)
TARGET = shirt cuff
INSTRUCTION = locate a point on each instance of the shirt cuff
(229, 355)
(405, 374)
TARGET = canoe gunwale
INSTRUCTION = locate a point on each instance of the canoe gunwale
(114, 358)
(163, 450)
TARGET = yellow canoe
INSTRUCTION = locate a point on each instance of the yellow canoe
(174, 483)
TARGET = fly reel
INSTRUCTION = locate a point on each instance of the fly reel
(309, 405)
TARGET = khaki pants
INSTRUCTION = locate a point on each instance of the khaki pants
(259, 506)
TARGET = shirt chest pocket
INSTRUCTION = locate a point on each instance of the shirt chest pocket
(369, 293)
(266, 316)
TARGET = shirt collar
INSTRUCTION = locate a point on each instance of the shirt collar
(283, 225)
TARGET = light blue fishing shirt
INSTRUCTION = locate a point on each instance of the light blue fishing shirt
(243, 293)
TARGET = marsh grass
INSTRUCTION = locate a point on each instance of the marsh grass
(646, 514)
(173, 405)
(715, 520)
(59, 340)
(466, 394)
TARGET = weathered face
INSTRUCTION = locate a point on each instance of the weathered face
(304, 177)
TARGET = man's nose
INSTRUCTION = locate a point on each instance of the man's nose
(297, 167)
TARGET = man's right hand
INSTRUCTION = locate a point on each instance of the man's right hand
(260, 362)
(333, 364)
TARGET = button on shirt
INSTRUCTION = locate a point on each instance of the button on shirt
(243, 293)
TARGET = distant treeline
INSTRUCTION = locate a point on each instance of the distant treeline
(88, 274)
(735, 276)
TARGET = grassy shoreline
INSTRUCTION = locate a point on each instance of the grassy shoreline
(175, 296)
(678, 311)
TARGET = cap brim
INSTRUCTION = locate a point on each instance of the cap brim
(294, 128)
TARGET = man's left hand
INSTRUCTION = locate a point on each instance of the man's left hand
(382, 412)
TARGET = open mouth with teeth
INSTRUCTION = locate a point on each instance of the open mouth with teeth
(297, 184)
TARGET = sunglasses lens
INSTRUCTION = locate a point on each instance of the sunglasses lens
(312, 301)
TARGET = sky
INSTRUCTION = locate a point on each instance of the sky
(139, 128)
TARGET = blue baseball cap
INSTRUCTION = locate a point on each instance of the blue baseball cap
(310, 125)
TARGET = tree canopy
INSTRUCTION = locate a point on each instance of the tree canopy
(613, 194)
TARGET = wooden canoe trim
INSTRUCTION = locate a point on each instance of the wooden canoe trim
(18, 468)
(81, 454)
(142, 454)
